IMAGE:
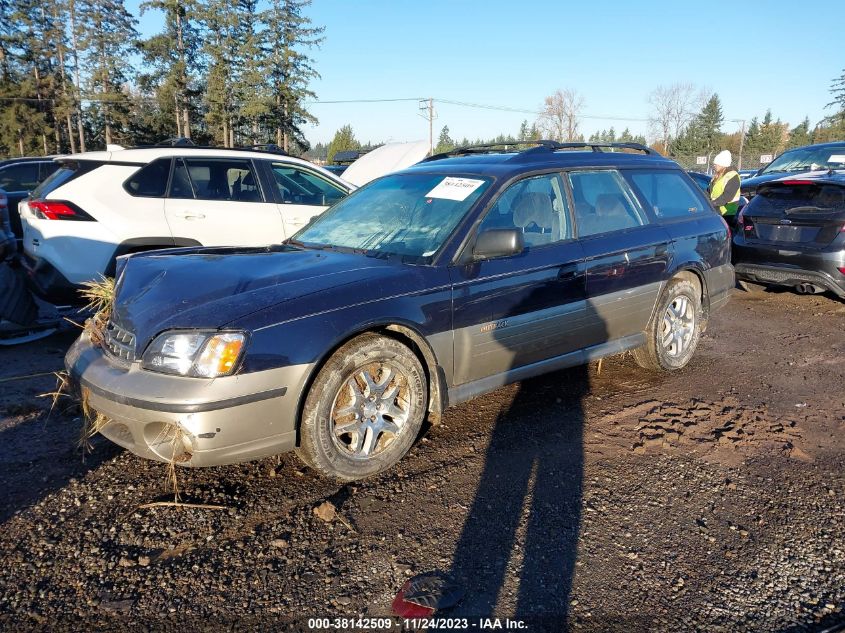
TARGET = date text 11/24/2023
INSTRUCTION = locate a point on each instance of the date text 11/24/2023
(415, 624)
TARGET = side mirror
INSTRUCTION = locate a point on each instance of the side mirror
(498, 243)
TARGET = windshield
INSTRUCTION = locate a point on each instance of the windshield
(808, 159)
(403, 214)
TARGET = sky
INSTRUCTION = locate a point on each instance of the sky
(755, 55)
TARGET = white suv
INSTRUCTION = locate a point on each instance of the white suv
(99, 205)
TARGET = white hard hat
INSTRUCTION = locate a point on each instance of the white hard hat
(722, 159)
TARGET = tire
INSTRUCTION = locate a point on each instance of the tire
(364, 409)
(679, 319)
(750, 287)
(16, 302)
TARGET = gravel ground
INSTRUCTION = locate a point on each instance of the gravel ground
(619, 500)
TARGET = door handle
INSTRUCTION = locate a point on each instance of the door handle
(567, 272)
(190, 216)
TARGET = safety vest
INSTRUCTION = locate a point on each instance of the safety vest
(719, 187)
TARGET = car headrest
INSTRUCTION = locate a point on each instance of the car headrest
(536, 208)
(608, 204)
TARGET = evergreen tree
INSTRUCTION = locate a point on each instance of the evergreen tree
(173, 60)
(289, 69)
(107, 38)
(710, 124)
(800, 134)
(524, 131)
(445, 142)
(837, 89)
(343, 141)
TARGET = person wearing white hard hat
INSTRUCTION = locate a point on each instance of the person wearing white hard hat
(724, 188)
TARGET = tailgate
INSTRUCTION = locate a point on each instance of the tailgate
(797, 214)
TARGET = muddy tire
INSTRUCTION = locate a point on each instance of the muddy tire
(675, 329)
(16, 303)
(364, 409)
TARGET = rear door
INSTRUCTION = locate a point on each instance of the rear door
(795, 215)
(300, 193)
(627, 254)
(220, 201)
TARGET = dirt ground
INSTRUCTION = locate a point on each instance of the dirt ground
(708, 499)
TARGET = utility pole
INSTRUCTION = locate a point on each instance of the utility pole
(741, 145)
(427, 112)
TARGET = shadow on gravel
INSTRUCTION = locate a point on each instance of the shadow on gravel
(38, 456)
(522, 529)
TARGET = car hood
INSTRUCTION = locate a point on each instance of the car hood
(384, 160)
(210, 288)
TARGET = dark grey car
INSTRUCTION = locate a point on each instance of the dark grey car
(792, 233)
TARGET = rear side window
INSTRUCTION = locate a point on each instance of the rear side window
(19, 177)
(211, 179)
(668, 193)
(603, 202)
(149, 181)
(67, 171)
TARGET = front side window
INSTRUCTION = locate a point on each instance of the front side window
(20, 177)
(216, 179)
(536, 206)
(150, 181)
(668, 193)
(298, 186)
(410, 215)
(603, 202)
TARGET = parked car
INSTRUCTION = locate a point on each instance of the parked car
(18, 177)
(101, 205)
(792, 233)
(424, 289)
(701, 179)
(822, 156)
(745, 174)
(7, 237)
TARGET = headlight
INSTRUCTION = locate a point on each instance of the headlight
(199, 354)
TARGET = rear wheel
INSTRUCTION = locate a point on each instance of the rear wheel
(674, 331)
(16, 302)
(364, 409)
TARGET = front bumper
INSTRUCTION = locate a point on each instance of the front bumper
(191, 421)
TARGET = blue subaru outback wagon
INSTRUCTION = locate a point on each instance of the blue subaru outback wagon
(423, 289)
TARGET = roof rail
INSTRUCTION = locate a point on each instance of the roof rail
(540, 145)
(188, 144)
(483, 148)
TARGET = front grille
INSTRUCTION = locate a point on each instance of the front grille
(119, 342)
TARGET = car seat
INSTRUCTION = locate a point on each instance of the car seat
(537, 209)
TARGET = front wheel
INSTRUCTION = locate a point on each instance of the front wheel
(364, 409)
(674, 331)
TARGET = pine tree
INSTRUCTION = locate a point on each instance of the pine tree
(445, 142)
(172, 57)
(800, 134)
(710, 124)
(344, 140)
(107, 38)
(289, 69)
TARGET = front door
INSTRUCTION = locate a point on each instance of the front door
(301, 194)
(513, 311)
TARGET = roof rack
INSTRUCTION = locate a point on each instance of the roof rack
(186, 143)
(541, 145)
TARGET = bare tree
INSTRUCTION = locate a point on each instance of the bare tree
(673, 107)
(559, 118)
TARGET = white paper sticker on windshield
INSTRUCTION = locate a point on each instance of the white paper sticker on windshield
(455, 188)
(837, 158)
